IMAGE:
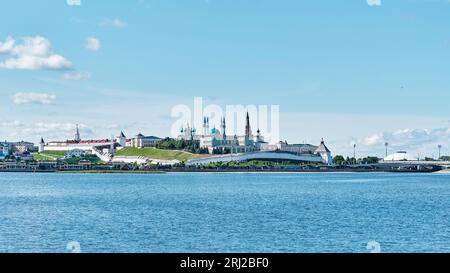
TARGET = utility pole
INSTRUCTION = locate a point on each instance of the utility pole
(386, 145)
(354, 151)
(439, 147)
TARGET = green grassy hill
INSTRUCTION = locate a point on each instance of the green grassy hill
(92, 158)
(55, 155)
(49, 155)
(158, 154)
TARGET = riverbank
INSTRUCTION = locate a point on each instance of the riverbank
(220, 170)
(113, 167)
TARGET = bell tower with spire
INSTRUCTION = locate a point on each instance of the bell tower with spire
(248, 132)
(77, 135)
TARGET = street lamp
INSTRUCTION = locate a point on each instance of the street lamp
(354, 151)
(386, 145)
(439, 147)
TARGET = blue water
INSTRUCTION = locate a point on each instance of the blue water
(225, 212)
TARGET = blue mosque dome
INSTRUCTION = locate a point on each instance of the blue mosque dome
(214, 131)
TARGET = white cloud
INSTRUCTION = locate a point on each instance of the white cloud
(93, 44)
(373, 139)
(7, 46)
(17, 130)
(73, 2)
(420, 142)
(368, 131)
(34, 53)
(76, 76)
(117, 23)
(374, 2)
(33, 98)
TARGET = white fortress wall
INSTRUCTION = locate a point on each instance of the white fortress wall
(140, 160)
(67, 148)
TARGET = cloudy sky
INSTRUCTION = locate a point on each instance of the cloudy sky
(354, 71)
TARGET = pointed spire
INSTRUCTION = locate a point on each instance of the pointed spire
(248, 129)
(77, 134)
(42, 140)
(322, 148)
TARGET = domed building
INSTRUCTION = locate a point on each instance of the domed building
(400, 156)
(215, 132)
(215, 138)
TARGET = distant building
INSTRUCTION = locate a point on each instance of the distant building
(75, 153)
(25, 156)
(214, 138)
(284, 146)
(141, 141)
(324, 152)
(21, 148)
(304, 149)
(24, 146)
(86, 145)
(400, 156)
(77, 144)
(4, 150)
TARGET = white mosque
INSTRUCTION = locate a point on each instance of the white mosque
(239, 147)
(214, 138)
(248, 143)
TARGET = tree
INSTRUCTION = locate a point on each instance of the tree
(166, 144)
(350, 161)
(339, 160)
(180, 144)
(370, 160)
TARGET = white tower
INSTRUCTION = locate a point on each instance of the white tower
(122, 139)
(325, 153)
(111, 147)
(41, 145)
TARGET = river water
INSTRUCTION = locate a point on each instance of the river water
(232, 212)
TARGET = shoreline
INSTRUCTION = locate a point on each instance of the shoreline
(127, 168)
(224, 171)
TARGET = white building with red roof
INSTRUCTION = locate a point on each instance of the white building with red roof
(83, 144)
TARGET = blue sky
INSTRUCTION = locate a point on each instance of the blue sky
(344, 70)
